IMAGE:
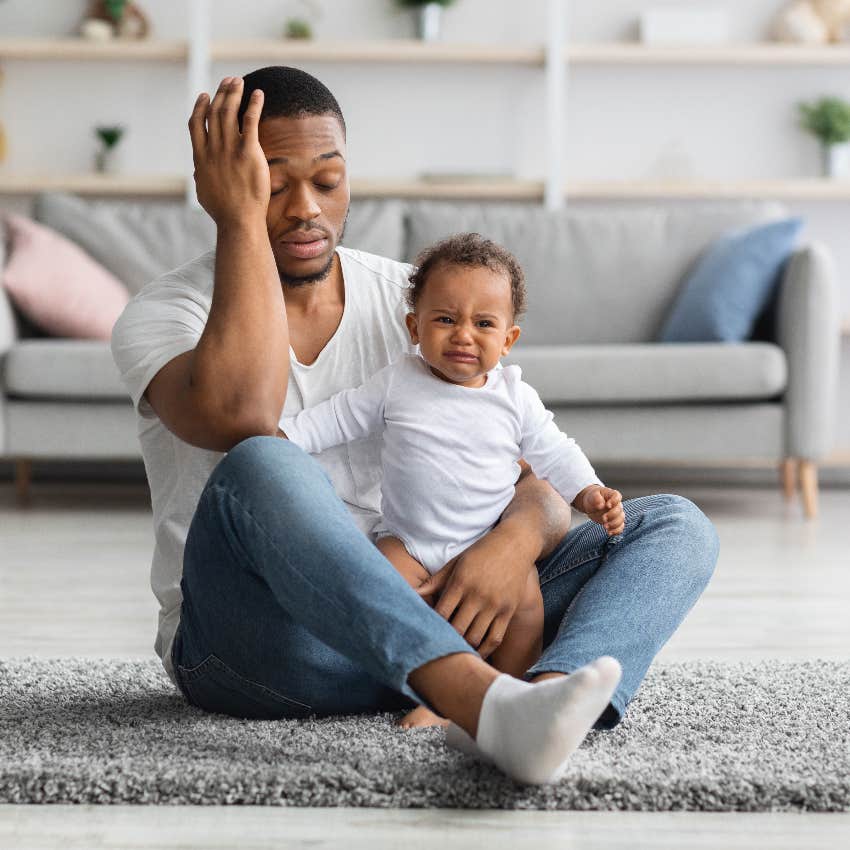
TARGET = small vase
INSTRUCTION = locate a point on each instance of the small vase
(836, 161)
(428, 21)
(106, 161)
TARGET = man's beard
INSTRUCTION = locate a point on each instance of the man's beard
(304, 280)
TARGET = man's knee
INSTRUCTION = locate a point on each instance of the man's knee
(691, 531)
(259, 452)
(260, 463)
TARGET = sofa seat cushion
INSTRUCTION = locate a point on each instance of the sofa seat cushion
(651, 373)
(62, 369)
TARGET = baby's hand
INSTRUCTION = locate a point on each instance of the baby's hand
(605, 506)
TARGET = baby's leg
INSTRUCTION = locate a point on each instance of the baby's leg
(395, 552)
(523, 641)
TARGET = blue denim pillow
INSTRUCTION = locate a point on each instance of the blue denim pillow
(731, 284)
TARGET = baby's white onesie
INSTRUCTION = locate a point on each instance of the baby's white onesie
(450, 453)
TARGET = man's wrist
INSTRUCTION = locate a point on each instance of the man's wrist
(524, 538)
(251, 224)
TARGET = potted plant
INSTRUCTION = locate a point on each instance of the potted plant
(299, 22)
(828, 119)
(297, 28)
(106, 19)
(428, 16)
(109, 137)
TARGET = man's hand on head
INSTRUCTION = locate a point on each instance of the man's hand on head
(231, 172)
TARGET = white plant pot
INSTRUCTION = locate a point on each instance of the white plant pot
(107, 161)
(428, 21)
(836, 161)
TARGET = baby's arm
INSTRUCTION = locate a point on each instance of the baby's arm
(558, 459)
(348, 415)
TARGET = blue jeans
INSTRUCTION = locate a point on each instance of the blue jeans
(289, 610)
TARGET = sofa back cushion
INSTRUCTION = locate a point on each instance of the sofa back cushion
(140, 240)
(136, 240)
(377, 227)
(595, 274)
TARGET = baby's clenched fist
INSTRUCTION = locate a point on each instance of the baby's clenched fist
(604, 505)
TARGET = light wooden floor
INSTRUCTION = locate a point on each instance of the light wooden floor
(74, 581)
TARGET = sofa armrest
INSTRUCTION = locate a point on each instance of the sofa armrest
(808, 331)
(8, 325)
(8, 337)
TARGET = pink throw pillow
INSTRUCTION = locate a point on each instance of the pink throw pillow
(57, 286)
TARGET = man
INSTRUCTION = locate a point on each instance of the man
(274, 601)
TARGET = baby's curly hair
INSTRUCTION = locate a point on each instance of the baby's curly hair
(474, 250)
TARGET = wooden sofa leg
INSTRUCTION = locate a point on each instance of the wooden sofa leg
(23, 477)
(809, 488)
(789, 477)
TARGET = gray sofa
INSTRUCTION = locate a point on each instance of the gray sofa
(600, 281)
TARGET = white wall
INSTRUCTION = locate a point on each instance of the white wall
(708, 122)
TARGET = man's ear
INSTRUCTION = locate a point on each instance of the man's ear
(510, 338)
(410, 321)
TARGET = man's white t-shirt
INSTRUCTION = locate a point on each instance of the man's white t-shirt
(450, 456)
(168, 317)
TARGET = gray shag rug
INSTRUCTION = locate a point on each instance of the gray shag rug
(706, 736)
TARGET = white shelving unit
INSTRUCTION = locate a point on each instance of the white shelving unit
(199, 52)
(555, 57)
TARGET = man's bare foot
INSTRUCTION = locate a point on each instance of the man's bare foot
(422, 716)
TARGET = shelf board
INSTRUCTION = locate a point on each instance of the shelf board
(83, 49)
(291, 50)
(98, 184)
(493, 189)
(505, 189)
(801, 189)
(765, 53)
(92, 184)
(395, 50)
(412, 50)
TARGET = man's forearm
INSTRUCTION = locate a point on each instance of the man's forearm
(537, 517)
(241, 362)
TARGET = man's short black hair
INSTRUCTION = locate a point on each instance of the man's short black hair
(289, 93)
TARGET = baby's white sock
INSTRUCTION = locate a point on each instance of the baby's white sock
(530, 730)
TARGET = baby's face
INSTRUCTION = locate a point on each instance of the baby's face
(463, 322)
